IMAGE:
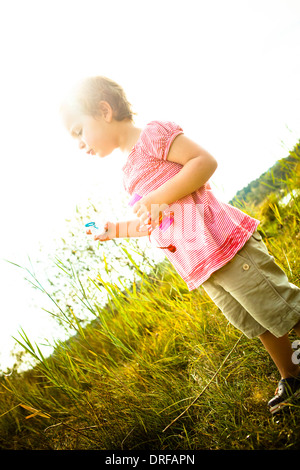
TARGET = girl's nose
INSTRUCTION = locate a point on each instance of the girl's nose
(81, 145)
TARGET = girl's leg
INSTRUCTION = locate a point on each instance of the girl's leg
(281, 351)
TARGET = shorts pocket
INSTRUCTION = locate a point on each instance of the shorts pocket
(239, 276)
(257, 236)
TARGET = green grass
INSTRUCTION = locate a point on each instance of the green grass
(159, 368)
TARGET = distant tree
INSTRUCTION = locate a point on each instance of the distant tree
(273, 180)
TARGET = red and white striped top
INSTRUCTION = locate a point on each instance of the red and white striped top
(206, 233)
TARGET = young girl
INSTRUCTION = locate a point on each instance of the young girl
(210, 243)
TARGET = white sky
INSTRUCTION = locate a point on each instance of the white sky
(227, 71)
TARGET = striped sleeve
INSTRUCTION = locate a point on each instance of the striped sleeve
(160, 136)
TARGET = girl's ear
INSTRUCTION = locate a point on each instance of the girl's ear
(106, 110)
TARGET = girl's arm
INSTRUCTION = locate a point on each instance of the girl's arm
(197, 168)
(124, 229)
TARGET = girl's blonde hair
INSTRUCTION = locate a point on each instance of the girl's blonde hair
(85, 98)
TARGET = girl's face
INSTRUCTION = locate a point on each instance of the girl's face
(94, 134)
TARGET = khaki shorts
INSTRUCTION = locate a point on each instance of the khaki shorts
(253, 292)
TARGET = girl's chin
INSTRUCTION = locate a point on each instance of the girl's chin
(102, 154)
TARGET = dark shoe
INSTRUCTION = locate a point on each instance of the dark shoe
(287, 391)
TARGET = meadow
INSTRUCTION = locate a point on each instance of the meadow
(158, 367)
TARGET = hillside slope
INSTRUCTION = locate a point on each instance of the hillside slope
(160, 368)
(273, 180)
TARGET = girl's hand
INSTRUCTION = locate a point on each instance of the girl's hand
(148, 210)
(108, 234)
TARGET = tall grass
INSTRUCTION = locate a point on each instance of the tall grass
(158, 368)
